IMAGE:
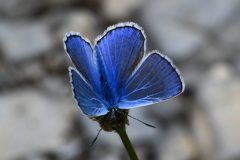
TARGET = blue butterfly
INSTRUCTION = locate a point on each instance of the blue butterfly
(116, 73)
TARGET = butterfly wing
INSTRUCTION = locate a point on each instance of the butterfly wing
(118, 51)
(156, 79)
(90, 103)
(80, 51)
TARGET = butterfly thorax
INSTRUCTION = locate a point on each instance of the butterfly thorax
(113, 120)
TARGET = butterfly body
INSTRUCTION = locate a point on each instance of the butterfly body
(114, 119)
(115, 74)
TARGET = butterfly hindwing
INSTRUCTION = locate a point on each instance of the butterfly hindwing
(156, 79)
(90, 103)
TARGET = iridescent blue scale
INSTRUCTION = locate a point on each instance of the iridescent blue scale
(116, 72)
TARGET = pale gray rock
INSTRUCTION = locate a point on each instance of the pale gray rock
(81, 21)
(21, 40)
(178, 40)
(181, 28)
(200, 13)
(203, 132)
(57, 62)
(15, 75)
(20, 8)
(5, 77)
(230, 37)
(237, 62)
(167, 109)
(33, 122)
(190, 74)
(177, 144)
(32, 71)
(219, 94)
(208, 14)
(56, 85)
(114, 10)
(105, 153)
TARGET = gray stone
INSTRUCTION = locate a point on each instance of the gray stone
(33, 122)
(237, 62)
(114, 10)
(181, 28)
(15, 75)
(5, 77)
(200, 13)
(177, 144)
(209, 14)
(58, 62)
(202, 132)
(179, 41)
(82, 21)
(19, 8)
(166, 109)
(32, 71)
(23, 40)
(219, 94)
(112, 153)
(190, 73)
(56, 85)
(230, 37)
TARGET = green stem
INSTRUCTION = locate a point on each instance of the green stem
(124, 137)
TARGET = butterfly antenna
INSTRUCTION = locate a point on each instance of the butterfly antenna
(95, 139)
(149, 125)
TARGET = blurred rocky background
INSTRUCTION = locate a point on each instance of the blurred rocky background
(40, 121)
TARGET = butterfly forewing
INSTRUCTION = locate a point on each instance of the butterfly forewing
(119, 51)
(81, 53)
